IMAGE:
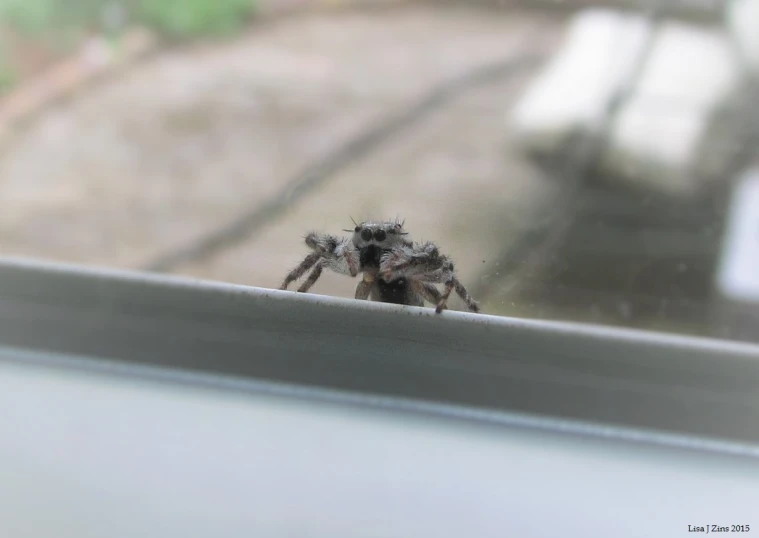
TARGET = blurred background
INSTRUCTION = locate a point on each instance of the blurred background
(580, 160)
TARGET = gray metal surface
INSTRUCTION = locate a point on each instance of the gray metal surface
(88, 454)
(135, 405)
(671, 385)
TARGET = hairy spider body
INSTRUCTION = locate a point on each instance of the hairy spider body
(396, 291)
(394, 269)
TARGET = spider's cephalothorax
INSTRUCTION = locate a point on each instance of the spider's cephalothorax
(395, 270)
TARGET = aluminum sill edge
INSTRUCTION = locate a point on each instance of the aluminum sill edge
(662, 384)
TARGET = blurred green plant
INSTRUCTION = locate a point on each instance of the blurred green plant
(7, 74)
(176, 19)
(44, 16)
(184, 19)
(59, 26)
(32, 16)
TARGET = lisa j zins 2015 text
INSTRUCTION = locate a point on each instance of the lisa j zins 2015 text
(718, 528)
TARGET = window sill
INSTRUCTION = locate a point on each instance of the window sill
(555, 375)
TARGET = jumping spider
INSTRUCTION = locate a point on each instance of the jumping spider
(395, 270)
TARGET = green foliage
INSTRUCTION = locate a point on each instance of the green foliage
(61, 24)
(173, 18)
(195, 18)
(40, 16)
(33, 16)
(7, 76)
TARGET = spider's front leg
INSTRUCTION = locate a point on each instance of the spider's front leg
(427, 291)
(302, 267)
(424, 265)
(447, 276)
(414, 260)
(452, 283)
(336, 253)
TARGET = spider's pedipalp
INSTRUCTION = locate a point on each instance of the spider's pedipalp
(363, 289)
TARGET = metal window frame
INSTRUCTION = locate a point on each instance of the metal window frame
(629, 384)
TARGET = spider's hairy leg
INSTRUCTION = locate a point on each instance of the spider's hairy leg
(424, 265)
(298, 272)
(312, 278)
(461, 291)
(451, 284)
(443, 302)
(428, 292)
(411, 259)
(339, 253)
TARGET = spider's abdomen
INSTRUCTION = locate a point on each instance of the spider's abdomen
(397, 292)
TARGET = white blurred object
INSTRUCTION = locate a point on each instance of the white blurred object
(97, 53)
(738, 276)
(659, 134)
(743, 22)
(689, 64)
(573, 91)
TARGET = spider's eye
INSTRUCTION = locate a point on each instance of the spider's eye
(366, 235)
(380, 235)
(358, 229)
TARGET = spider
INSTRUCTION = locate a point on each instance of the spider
(395, 270)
